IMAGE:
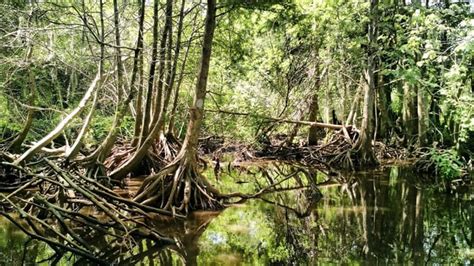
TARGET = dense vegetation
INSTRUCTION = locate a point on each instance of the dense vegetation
(116, 89)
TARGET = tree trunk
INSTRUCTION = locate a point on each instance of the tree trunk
(180, 80)
(149, 96)
(184, 187)
(138, 66)
(352, 116)
(366, 155)
(158, 107)
(190, 144)
(177, 49)
(423, 118)
(409, 113)
(314, 116)
(384, 101)
(106, 146)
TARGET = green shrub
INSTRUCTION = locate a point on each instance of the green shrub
(447, 163)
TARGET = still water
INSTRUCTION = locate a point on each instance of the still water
(387, 216)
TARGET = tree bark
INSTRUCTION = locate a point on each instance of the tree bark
(190, 143)
(149, 96)
(314, 109)
(180, 79)
(366, 155)
(181, 176)
(158, 107)
(107, 145)
(409, 113)
(423, 118)
(138, 67)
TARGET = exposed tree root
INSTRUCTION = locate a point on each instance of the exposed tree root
(338, 152)
(179, 187)
(161, 153)
(56, 211)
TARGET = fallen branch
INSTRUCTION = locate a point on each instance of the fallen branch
(279, 120)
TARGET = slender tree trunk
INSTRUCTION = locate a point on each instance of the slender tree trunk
(183, 181)
(423, 118)
(364, 145)
(158, 107)
(146, 140)
(138, 66)
(177, 50)
(118, 53)
(384, 101)
(104, 149)
(190, 144)
(149, 96)
(180, 79)
(352, 116)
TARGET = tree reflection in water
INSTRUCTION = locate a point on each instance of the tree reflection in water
(384, 216)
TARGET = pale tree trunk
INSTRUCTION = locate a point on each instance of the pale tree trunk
(423, 117)
(190, 144)
(314, 115)
(352, 116)
(158, 107)
(366, 155)
(172, 68)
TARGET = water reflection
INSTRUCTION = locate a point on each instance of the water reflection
(382, 216)
(375, 217)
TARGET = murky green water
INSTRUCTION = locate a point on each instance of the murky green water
(379, 217)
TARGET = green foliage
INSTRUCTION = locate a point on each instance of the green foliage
(447, 163)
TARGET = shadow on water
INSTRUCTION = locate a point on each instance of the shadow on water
(384, 216)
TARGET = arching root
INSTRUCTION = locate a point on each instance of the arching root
(179, 187)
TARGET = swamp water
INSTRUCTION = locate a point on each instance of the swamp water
(385, 216)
